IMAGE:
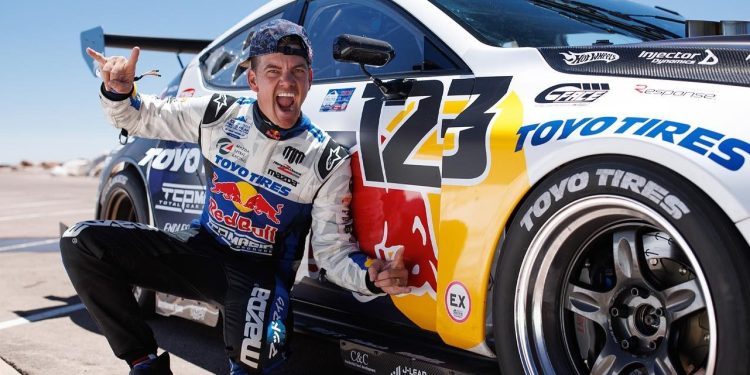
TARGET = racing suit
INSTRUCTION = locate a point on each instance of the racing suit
(267, 187)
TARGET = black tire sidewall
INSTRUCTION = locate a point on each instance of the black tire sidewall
(718, 246)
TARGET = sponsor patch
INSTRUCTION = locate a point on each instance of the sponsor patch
(217, 106)
(333, 155)
(292, 155)
(254, 318)
(457, 302)
(236, 151)
(237, 128)
(336, 100)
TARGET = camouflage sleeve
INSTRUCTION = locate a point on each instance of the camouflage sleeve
(175, 119)
(333, 245)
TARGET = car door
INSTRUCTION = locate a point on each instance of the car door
(396, 146)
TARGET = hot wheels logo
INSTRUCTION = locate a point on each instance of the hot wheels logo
(572, 58)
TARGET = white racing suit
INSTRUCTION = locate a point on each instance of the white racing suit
(267, 187)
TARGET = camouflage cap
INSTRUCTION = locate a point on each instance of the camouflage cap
(266, 39)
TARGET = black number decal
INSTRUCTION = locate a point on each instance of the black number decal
(470, 161)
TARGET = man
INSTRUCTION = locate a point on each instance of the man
(242, 255)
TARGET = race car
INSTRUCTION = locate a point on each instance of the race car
(568, 179)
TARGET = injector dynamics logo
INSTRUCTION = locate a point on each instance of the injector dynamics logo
(679, 57)
(573, 58)
(573, 93)
(727, 152)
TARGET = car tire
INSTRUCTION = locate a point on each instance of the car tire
(124, 198)
(613, 264)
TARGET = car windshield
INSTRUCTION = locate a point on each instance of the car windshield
(547, 23)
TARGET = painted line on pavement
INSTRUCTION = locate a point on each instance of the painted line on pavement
(28, 244)
(40, 316)
(46, 214)
(37, 204)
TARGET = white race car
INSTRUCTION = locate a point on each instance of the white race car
(569, 179)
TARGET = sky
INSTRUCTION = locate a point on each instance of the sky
(49, 98)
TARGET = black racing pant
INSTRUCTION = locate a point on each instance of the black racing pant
(104, 258)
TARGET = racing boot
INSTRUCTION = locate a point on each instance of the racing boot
(153, 366)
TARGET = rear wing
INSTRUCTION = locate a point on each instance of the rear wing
(96, 39)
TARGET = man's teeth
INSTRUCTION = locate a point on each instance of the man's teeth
(289, 94)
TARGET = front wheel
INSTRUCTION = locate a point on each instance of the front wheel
(614, 265)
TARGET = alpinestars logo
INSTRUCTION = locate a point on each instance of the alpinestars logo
(334, 157)
(572, 58)
(293, 155)
(573, 93)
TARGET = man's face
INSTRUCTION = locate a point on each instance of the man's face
(282, 82)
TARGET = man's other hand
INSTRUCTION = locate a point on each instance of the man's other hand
(118, 73)
(390, 275)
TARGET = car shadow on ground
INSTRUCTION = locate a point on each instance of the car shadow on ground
(203, 346)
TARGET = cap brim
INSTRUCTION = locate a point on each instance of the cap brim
(245, 64)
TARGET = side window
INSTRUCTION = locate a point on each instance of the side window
(327, 19)
(220, 66)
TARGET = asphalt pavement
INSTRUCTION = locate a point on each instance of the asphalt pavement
(44, 328)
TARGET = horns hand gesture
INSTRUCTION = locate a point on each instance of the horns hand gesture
(118, 73)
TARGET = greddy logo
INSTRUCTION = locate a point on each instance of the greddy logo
(573, 93)
(677, 57)
(643, 89)
(572, 58)
(256, 309)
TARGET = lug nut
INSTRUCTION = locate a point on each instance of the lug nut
(629, 343)
(619, 311)
(638, 292)
(652, 345)
(659, 311)
(653, 261)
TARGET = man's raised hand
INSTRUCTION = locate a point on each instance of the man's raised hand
(391, 276)
(118, 73)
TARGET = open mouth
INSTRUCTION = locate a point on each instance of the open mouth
(285, 101)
